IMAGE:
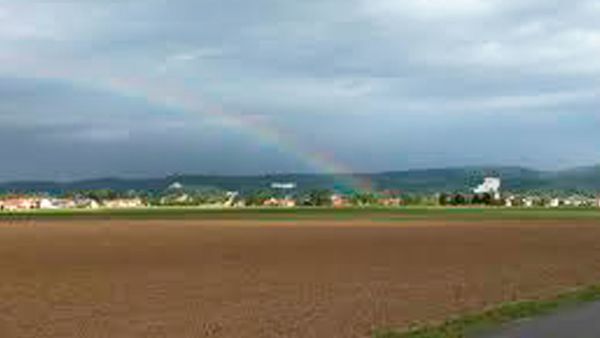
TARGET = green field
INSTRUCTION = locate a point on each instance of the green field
(394, 214)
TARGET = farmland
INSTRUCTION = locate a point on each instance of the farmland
(280, 273)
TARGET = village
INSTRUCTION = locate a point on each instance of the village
(286, 195)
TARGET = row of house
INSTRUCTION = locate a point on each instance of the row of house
(47, 203)
(337, 201)
(555, 202)
(492, 185)
(285, 202)
(575, 201)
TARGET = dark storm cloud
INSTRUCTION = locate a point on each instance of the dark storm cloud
(107, 87)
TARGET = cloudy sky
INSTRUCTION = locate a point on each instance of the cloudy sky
(153, 87)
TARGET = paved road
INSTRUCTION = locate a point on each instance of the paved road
(582, 322)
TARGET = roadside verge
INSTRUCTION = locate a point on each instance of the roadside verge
(461, 327)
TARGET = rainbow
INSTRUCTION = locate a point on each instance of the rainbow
(179, 99)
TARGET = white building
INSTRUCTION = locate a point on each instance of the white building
(232, 197)
(175, 186)
(574, 201)
(124, 203)
(490, 185)
(283, 185)
(66, 203)
(87, 203)
(46, 203)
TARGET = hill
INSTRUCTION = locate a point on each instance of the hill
(516, 179)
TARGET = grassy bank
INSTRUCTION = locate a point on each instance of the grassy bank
(394, 214)
(463, 326)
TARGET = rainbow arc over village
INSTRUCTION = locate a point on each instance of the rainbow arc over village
(179, 98)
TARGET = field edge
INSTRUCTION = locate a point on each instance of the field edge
(505, 313)
(382, 213)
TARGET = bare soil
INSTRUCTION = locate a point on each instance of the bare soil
(186, 278)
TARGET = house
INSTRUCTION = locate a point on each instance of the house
(271, 202)
(528, 202)
(279, 202)
(66, 203)
(339, 201)
(86, 203)
(184, 198)
(554, 203)
(48, 203)
(577, 201)
(124, 203)
(517, 201)
(288, 203)
(390, 202)
(18, 203)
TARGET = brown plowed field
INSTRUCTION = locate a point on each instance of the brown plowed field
(130, 279)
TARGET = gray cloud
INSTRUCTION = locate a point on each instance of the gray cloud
(380, 84)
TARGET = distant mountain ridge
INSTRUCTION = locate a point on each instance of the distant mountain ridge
(516, 179)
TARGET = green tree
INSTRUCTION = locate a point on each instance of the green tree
(100, 194)
(444, 199)
(317, 198)
(257, 198)
(363, 199)
(458, 199)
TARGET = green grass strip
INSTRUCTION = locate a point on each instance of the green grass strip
(377, 213)
(503, 314)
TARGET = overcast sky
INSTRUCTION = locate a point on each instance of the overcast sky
(147, 87)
